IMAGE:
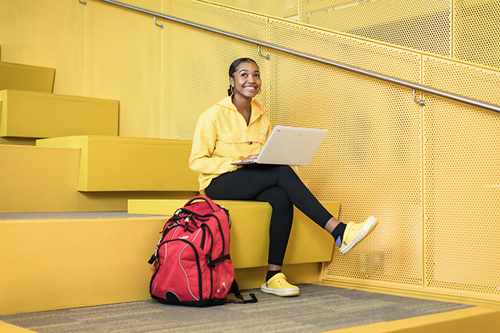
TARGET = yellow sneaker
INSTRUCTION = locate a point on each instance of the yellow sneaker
(277, 285)
(356, 232)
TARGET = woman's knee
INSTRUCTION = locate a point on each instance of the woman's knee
(278, 198)
(285, 171)
(284, 168)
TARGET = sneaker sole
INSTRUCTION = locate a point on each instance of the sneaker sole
(280, 292)
(367, 229)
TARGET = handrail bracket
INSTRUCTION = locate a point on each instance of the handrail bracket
(267, 56)
(158, 25)
(420, 103)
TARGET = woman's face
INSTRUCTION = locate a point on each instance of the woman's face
(246, 80)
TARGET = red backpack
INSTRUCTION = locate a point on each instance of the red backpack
(192, 263)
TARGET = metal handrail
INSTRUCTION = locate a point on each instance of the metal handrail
(408, 84)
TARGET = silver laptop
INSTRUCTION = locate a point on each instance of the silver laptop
(290, 146)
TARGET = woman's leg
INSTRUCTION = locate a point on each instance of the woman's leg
(281, 224)
(248, 182)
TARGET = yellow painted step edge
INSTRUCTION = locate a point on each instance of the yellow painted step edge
(8, 328)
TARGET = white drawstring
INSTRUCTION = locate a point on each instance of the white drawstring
(263, 125)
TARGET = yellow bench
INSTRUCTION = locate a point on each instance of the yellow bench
(308, 242)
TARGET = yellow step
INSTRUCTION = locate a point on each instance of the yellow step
(25, 77)
(61, 263)
(8, 328)
(45, 179)
(130, 164)
(31, 114)
(308, 242)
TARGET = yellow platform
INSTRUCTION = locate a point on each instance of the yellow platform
(59, 263)
(42, 115)
(8, 328)
(24, 77)
(45, 179)
(130, 164)
(308, 242)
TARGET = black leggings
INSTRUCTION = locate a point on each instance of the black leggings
(282, 188)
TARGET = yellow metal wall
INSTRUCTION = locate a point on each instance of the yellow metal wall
(430, 174)
(462, 182)
(466, 30)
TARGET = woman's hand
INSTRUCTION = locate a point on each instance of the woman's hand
(250, 158)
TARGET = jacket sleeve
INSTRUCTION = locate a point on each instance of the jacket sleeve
(204, 140)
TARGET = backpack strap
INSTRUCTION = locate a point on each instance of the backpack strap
(236, 291)
(211, 263)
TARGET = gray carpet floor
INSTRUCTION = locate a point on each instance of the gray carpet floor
(317, 309)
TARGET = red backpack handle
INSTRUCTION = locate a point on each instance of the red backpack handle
(212, 204)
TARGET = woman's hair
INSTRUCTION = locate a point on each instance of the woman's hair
(232, 69)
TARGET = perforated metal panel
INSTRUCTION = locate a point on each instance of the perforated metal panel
(345, 49)
(421, 25)
(462, 79)
(462, 182)
(461, 29)
(476, 29)
(226, 19)
(462, 196)
(371, 158)
(281, 8)
(370, 162)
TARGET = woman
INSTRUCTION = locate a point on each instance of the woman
(235, 129)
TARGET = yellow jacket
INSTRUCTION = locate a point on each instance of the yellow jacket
(223, 137)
